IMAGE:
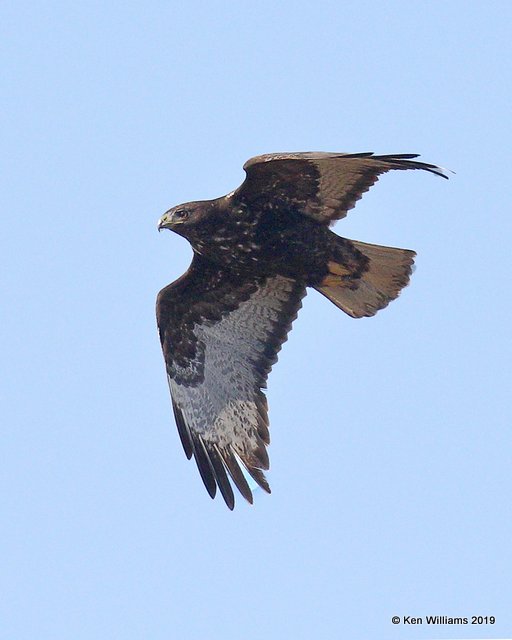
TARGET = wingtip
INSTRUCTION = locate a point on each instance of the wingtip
(439, 171)
(408, 161)
(230, 502)
(445, 173)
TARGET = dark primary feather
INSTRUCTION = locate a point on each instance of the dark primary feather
(183, 431)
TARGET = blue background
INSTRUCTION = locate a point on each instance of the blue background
(391, 447)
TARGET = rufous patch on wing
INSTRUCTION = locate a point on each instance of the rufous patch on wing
(338, 269)
(337, 275)
(332, 280)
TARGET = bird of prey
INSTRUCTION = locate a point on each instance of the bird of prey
(255, 252)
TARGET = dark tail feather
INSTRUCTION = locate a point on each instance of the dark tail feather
(388, 273)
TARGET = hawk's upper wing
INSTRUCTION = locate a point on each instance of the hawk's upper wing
(321, 185)
(220, 336)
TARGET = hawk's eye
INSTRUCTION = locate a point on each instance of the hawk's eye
(181, 214)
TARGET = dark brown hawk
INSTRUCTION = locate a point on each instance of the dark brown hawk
(256, 251)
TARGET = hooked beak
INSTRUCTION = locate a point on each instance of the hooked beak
(164, 222)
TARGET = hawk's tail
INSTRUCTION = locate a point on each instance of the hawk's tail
(387, 274)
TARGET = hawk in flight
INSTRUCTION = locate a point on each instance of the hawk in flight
(256, 251)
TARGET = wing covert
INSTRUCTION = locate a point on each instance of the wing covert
(324, 186)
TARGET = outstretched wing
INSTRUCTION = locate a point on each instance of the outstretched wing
(323, 186)
(220, 336)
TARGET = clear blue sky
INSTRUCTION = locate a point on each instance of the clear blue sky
(391, 446)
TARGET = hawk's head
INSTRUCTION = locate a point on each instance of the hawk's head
(184, 217)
